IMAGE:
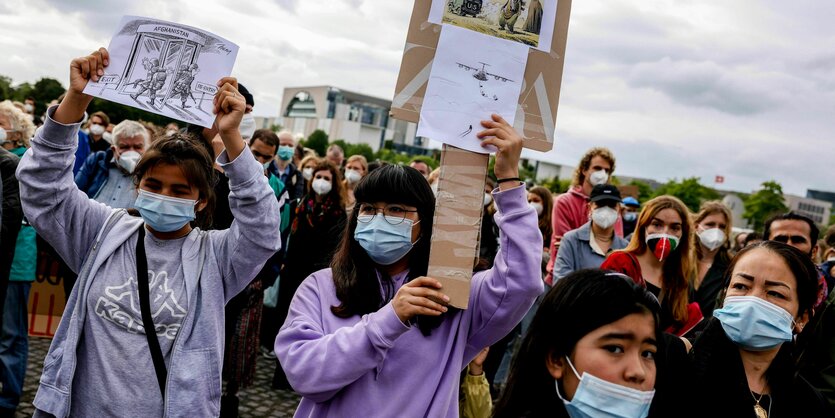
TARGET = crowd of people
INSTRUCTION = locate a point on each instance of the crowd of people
(233, 242)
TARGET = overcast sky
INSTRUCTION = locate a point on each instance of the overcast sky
(676, 88)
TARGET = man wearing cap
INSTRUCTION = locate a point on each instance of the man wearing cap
(631, 207)
(588, 246)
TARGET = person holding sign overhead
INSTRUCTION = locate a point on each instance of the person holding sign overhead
(372, 335)
(158, 271)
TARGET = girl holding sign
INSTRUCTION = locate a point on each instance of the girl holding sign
(156, 272)
(372, 336)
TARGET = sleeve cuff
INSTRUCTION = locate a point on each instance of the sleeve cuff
(511, 200)
(241, 169)
(386, 325)
(53, 129)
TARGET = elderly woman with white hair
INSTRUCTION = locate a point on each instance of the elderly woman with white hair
(106, 175)
(17, 128)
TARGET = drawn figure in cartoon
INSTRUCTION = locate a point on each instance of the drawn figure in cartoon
(153, 81)
(182, 83)
(509, 13)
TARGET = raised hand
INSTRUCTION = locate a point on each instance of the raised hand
(418, 297)
(229, 106)
(82, 70)
(508, 143)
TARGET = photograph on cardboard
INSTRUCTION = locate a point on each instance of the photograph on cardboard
(467, 85)
(529, 22)
(165, 68)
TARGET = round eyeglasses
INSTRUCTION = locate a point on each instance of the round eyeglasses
(393, 214)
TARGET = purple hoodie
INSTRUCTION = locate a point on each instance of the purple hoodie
(376, 366)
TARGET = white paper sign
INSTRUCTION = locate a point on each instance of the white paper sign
(472, 77)
(530, 22)
(165, 68)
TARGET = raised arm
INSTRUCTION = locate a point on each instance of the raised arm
(501, 296)
(254, 235)
(60, 213)
(319, 364)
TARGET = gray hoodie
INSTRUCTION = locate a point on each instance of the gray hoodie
(216, 265)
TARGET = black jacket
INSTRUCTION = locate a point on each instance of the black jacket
(719, 387)
(12, 215)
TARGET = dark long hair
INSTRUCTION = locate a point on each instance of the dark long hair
(191, 155)
(577, 305)
(354, 274)
(800, 264)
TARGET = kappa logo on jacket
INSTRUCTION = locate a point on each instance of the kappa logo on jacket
(120, 305)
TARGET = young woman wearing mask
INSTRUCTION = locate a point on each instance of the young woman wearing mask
(542, 201)
(659, 257)
(713, 227)
(315, 231)
(592, 351)
(743, 359)
(159, 263)
(372, 336)
(306, 166)
(355, 169)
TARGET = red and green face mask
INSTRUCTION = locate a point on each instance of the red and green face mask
(662, 245)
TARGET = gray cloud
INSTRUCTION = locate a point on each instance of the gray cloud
(706, 84)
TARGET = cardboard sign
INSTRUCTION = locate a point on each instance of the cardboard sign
(457, 224)
(46, 298)
(459, 206)
(537, 111)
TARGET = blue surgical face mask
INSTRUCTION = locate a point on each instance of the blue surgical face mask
(285, 153)
(596, 398)
(383, 242)
(754, 323)
(267, 165)
(164, 213)
(630, 216)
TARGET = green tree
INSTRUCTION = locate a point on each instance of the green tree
(361, 149)
(557, 186)
(317, 141)
(6, 89)
(276, 127)
(45, 91)
(689, 190)
(644, 190)
(763, 203)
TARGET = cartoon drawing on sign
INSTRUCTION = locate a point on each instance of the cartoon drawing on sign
(156, 66)
(529, 22)
(481, 76)
(465, 84)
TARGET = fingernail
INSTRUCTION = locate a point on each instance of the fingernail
(444, 308)
(446, 298)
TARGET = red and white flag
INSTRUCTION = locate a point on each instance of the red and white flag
(719, 179)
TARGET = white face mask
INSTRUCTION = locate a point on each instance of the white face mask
(488, 199)
(712, 238)
(537, 207)
(96, 129)
(321, 186)
(128, 160)
(434, 188)
(3, 136)
(307, 173)
(352, 176)
(604, 217)
(598, 177)
(107, 136)
(29, 108)
(247, 126)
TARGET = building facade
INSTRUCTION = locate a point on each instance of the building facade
(353, 117)
(816, 210)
